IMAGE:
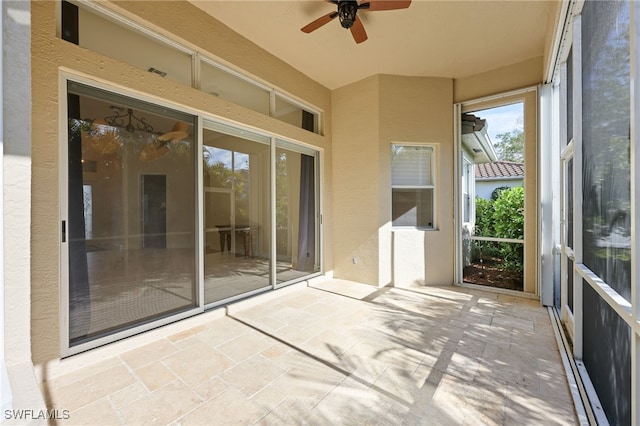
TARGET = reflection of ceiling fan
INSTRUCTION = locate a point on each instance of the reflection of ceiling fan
(347, 12)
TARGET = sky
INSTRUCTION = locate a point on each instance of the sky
(502, 119)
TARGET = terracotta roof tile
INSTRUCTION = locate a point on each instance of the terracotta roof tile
(499, 169)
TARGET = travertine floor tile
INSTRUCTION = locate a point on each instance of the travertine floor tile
(245, 346)
(155, 351)
(97, 413)
(155, 375)
(231, 404)
(252, 375)
(128, 395)
(197, 363)
(162, 406)
(211, 388)
(339, 353)
(91, 388)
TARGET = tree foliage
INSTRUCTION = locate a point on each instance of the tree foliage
(510, 145)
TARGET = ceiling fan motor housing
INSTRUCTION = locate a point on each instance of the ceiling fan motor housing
(347, 10)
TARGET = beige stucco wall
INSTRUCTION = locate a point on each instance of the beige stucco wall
(367, 117)
(50, 55)
(512, 77)
(356, 115)
(418, 110)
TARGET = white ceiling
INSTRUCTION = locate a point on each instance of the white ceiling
(431, 38)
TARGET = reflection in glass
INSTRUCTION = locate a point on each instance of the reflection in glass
(132, 47)
(131, 216)
(218, 82)
(293, 114)
(236, 198)
(296, 228)
(606, 143)
(412, 207)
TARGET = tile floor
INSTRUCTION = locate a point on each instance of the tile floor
(337, 353)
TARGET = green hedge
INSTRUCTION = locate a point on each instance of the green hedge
(503, 217)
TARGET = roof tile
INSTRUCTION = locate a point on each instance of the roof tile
(499, 169)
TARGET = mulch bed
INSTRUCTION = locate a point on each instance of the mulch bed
(492, 275)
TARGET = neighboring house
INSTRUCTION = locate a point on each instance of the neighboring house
(499, 174)
(157, 163)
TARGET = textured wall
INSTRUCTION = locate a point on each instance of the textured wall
(512, 77)
(356, 177)
(367, 117)
(16, 182)
(418, 110)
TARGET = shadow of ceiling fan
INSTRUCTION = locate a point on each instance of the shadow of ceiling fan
(348, 14)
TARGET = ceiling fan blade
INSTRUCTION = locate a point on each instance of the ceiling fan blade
(357, 31)
(385, 4)
(319, 22)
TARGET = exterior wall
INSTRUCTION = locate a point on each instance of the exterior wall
(24, 392)
(356, 159)
(50, 55)
(484, 188)
(418, 109)
(524, 74)
(367, 117)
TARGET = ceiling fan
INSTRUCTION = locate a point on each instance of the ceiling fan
(347, 12)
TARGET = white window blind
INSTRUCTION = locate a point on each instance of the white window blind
(411, 166)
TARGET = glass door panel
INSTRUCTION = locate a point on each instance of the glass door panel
(236, 194)
(130, 213)
(296, 214)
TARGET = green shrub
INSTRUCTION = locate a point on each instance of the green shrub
(508, 213)
(503, 218)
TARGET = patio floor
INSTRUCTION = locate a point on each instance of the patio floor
(337, 353)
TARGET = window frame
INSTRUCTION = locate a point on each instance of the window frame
(468, 190)
(198, 55)
(432, 186)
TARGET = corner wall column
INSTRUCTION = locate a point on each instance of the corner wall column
(15, 253)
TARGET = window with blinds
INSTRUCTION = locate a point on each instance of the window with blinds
(412, 186)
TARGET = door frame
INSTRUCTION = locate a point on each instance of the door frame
(532, 262)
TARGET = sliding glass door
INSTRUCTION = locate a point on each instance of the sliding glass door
(146, 240)
(236, 196)
(129, 220)
(296, 212)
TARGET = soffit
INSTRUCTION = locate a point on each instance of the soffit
(451, 39)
